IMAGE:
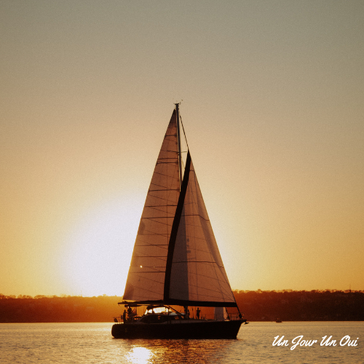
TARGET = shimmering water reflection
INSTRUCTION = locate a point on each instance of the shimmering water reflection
(177, 351)
(140, 355)
(93, 343)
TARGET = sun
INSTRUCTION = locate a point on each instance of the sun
(99, 249)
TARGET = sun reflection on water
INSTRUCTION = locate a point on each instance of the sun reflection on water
(139, 355)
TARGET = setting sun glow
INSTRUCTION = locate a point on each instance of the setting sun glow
(99, 249)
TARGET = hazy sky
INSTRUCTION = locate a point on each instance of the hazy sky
(273, 110)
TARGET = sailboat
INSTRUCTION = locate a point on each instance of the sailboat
(176, 264)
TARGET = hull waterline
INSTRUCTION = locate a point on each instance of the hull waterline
(178, 330)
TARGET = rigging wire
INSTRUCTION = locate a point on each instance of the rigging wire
(184, 133)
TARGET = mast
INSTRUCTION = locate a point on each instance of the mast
(179, 146)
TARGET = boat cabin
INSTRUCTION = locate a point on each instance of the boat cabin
(159, 314)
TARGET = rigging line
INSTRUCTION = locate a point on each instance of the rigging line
(178, 144)
(184, 133)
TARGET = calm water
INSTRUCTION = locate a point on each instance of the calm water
(93, 343)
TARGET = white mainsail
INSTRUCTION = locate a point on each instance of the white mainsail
(176, 259)
(147, 269)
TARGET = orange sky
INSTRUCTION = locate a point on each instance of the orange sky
(272, 107)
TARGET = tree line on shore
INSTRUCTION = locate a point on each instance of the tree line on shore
(287, 305)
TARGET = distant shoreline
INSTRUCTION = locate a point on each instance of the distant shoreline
(258, 305)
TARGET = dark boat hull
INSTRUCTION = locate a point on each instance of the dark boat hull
(198, 329)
